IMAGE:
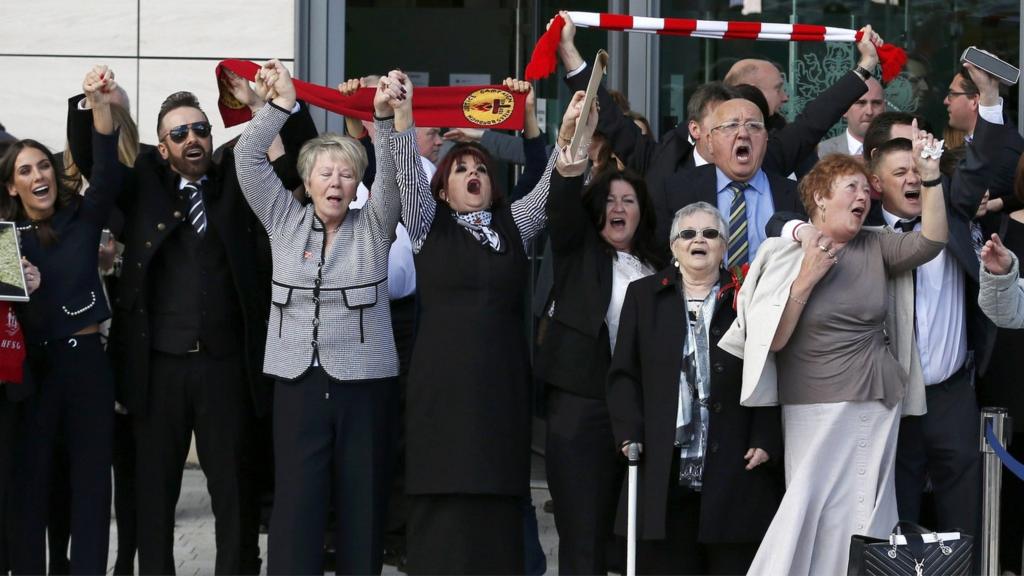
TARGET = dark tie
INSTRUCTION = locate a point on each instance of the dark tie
(907, 225)
(738, 244)
(196, 213)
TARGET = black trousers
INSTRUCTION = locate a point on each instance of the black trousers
(125, 510)
(942, 446)
(8, 425)
(74, 397)
(208, 395)
(403, 325)
(465, 534)
(327, 432)
(584, 476)
(680, 552)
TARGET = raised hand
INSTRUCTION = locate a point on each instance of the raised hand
(99, 85)
(995, 257)
(241, 90)
(924, 146)
(278, 83)
(567, 51)
(868, 48)
(464, 135)
(988, 85)
(351, 86)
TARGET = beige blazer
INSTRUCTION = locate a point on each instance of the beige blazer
(759, 308)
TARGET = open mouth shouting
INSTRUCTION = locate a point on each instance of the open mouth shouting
(194, 153)
(742, 153)
(41, 191)
(473, 186)
(912, 194)
(617, 223)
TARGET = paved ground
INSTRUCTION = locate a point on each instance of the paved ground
(194, 548)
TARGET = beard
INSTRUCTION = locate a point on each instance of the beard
(189, 168)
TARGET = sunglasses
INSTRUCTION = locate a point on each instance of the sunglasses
(178, 134)
(690, 234)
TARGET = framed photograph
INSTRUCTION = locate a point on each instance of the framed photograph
(12, 277)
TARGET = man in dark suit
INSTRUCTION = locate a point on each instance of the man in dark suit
(787, 150)
(744, 193)
(954, 338)
(189, 330)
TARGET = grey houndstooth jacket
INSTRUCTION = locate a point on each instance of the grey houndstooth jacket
(348, 329)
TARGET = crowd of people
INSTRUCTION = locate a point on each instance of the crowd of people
(796, 331)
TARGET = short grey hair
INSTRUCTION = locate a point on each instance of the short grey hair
(338, 147)
(690, 210)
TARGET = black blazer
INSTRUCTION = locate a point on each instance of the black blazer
(643, 395)
(575, 353)
(153, 208)
(788, 148)
(701, 185)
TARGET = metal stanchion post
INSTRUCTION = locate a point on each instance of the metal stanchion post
(992, 475)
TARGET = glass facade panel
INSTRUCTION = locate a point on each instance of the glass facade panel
(934, 33)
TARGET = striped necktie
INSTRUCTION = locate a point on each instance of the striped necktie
(739, 247)
(196, 213)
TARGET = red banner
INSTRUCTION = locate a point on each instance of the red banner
(433, 106)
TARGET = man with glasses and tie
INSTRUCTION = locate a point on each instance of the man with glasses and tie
(745, 194)
(189, 331)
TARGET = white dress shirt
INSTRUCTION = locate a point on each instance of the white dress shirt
(939, 314)
(625, 269)
(856, 147)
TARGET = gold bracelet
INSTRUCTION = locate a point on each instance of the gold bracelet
(800, 302)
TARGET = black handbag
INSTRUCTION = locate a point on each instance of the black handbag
(911, 551)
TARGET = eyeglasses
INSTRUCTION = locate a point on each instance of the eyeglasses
(690, 233)
(954, 94)
(179, 133)
(731, 128)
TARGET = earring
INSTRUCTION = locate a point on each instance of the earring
(675, 262)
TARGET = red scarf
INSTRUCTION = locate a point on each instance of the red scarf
(543, 62)
(12, 346)
(434, 106)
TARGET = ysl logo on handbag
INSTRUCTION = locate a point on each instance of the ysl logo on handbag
(918, 567)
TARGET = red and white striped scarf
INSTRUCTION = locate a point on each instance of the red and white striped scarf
(543, 63)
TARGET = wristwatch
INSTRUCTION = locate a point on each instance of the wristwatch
(860, 71)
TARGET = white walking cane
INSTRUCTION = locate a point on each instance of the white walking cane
(633, 454)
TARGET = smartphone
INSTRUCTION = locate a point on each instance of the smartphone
(1005, 72)
(105, 237)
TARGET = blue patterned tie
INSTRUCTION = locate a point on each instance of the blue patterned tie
(196, 213)
(739, 247)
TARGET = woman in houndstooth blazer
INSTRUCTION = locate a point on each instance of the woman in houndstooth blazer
(329, 343)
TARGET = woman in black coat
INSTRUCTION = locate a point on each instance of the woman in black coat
(601, 240)
(709, 486)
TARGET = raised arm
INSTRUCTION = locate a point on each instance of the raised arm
(393, 98)
(528, 212)
(1000, 295)
(629, 144)
(108, 172)
(792, 144)
(263, 190)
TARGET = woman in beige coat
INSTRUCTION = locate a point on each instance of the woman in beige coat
(812, 328)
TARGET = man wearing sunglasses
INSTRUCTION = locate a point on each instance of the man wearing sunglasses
(189, 328)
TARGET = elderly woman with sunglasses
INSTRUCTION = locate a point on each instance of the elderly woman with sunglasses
(329, 343)
(710, 482)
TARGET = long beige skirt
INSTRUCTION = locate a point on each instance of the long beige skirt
(840, 461)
